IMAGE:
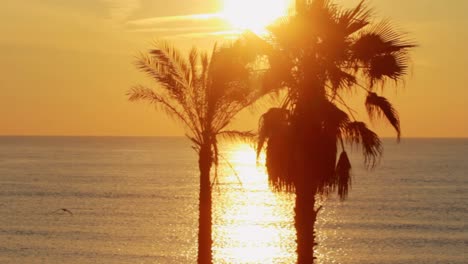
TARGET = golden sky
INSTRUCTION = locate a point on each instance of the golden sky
(66, 65)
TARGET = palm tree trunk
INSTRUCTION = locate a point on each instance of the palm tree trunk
(308, 164)
(204, 225)
(305, 215)
(305, 218)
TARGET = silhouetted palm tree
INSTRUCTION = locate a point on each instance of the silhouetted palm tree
(203, 92)
(318, 56)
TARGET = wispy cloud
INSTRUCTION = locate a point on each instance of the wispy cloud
(168, 19)
(177, 29)
(198, 25)
(226, 34)
(120, 10)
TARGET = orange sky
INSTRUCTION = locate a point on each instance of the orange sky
(66, 65)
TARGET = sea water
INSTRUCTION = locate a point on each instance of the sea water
(135, 200)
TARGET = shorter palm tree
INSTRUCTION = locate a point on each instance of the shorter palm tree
(204, 93)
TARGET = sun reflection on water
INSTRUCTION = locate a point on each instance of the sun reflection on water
(251, 223)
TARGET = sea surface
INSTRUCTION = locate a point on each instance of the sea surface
(135, 200)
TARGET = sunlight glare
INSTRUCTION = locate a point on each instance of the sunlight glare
(258, 221)
(254, 15)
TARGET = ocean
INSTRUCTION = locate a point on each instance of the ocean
(135, 200)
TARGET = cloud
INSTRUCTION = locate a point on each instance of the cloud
(177, 29)
(178, 33)
(120, 10)
(168, 19)
(193, 25)
(224, 34)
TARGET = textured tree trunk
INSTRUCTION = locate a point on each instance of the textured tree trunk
(204, 225)
(304, 213)
(305, 217)
(308, 165)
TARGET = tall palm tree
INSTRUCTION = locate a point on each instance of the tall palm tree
(318, 56)
(204, 93)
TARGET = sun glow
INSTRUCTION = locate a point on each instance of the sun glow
(257, 222)
(254, 15)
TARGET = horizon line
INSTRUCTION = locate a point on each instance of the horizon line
(182, 136)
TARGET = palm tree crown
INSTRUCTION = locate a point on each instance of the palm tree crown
(320, 55)
(202, 92)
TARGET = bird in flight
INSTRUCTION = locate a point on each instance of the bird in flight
(63, 210)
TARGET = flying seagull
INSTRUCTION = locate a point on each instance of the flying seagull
(63, 210)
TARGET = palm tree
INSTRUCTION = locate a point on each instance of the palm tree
(318, 56)
(204, 93)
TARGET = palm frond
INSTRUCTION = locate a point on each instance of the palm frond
(171, 72)
(274, 120)
(357, 133)
(378, 106)
(255, 44)
(325, 154)
(197, 144)
(231, 85)
(193, 61)
(141, 93)
(340, 79)
(278, 161)
(383, 52)
(343, 175)
(160, 73)
(335, 118)
(274, 130)
(171, 58)
(278, 75)
(392, 66)
(378, 40)
(166, 64)
(356, 18)
(176, 67)
(244, 136)
(214, 146)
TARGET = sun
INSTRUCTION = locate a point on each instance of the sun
(254, 15)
